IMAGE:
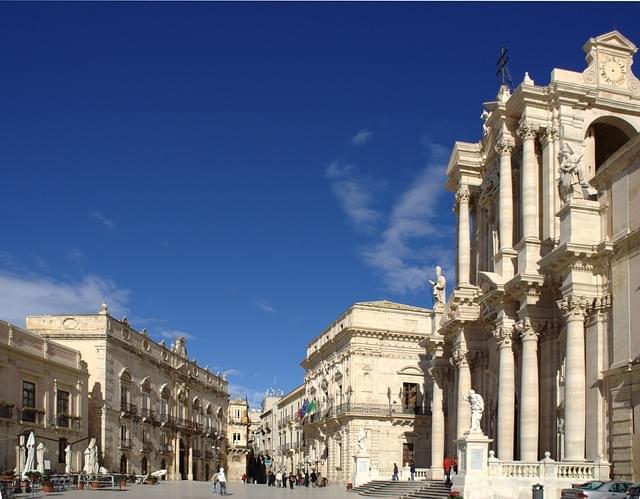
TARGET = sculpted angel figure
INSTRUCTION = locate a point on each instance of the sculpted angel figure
(439, 287)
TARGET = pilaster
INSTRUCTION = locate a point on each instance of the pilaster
(459, 359)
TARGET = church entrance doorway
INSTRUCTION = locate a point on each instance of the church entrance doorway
(182, 463)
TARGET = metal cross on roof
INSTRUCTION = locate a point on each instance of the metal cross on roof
(503, 69)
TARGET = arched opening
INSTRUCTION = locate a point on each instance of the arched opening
(123, 465)
(603, 138)
(163, 466)
(144, 465)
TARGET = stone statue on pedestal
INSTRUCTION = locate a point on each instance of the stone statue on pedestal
(477, 408)
(571, 184)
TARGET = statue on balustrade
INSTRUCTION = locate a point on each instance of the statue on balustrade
(439, 288)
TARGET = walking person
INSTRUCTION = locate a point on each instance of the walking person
(222, 481)
(279, 479)
(214, 479)
(395, 472)
(314, 478)
(412, 469)
(292, 478)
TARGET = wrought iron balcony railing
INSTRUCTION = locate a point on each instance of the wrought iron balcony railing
(31, 415)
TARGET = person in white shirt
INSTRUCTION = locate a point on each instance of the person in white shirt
(222, 480)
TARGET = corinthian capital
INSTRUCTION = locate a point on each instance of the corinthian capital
(459, 356)
(526, 331)
(504, 145)
(463, 194)
(503, 336)
(526, 131)
(573, 307)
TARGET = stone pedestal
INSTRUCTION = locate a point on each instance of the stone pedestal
(580, 222)
(472, 479)
(362, 467)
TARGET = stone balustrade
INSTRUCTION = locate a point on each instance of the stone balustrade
(547, 468)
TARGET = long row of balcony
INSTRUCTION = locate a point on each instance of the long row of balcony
(150, 416)
(354, 408)
(37, 417)
(127, 444)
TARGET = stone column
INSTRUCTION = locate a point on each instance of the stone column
(595, 408)
(529, 411)
(503, 147)
(437, 423)
(463, 385)
(549, 183)
(464, 244)
(574, 379)
(506, 393)
(529, 181)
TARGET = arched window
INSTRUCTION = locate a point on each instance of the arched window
(603, 138)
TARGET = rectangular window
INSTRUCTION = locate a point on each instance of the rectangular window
(28, 394)
(62, 403)
(409, 394)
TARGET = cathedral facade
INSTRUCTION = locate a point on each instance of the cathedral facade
(543, 319)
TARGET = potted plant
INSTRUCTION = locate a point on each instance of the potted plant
(80, 484)
(47, 486)
(150, 480)
(95, 484)
(7, 476)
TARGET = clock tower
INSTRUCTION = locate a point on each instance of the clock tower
(610, 57)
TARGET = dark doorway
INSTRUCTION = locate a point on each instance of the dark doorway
(407, 453)
(194, 470)
(123, 464)
(163, 466)
(182, 461)
(207, 475)
(144, 464)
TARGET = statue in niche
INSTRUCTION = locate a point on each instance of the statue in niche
(439, 288)
(571, 184)
(477, 408)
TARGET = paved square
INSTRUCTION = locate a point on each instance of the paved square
(203, 490)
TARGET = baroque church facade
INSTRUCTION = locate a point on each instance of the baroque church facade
(543, 319)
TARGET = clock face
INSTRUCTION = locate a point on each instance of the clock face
(612, 71)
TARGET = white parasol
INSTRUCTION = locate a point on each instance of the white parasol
(30, 464)
(40, 455)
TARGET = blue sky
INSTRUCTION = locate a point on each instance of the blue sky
(242, 173)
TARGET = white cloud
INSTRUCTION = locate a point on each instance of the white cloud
(174, 334)
(22, 295)
(107, 222)
(232, 372)
(353, 195)
(412, 242)
(409, 239)
(253, 396)
(362, 137)
(264, 305)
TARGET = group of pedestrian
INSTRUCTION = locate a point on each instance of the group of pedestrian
(281, 479)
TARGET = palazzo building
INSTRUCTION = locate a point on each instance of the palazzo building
(44, 390)
(237, 439)
(289, 452)
(544, 318)
(363, 375)
(150, 407)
